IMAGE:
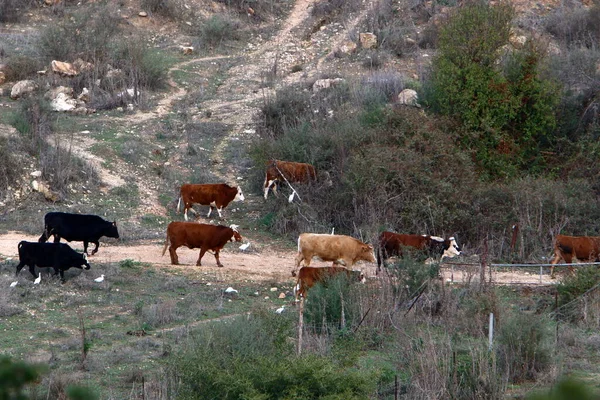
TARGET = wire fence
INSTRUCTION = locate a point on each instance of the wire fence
(504, 273)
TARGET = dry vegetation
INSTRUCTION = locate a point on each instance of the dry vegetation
(506, 134)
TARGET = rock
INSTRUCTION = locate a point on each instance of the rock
(368, 40)
(54, 92)
(187, 50)
(63, 102)
(273, 289)
(282, 295)
(84, 95)
(321, 84)
(83, 66)
(409, 97)
(113, 73)
(143, 14)
(518, 41)
(36, 174)
(22, 88)
(348, 47)
(2, 77)
(45, 190)
(63, 68)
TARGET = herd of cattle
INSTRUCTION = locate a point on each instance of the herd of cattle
(343, 251)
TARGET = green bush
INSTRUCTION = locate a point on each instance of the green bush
(524, 346)
(11, 10)
(14, 377)
(253, 358)
(217, 30)
(576, 284)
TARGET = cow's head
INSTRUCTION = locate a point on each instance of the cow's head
(236, 237)
(84, 262)
(239, 196)
(367, 253)
(112, 230)
(453, 248)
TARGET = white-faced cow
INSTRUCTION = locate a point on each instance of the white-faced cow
(84, 228)
(310, 276)
(569, 248)
(203, 236)
(392, 244)
(289, 171)
(58, 256)
(217, 195)
(340, 249)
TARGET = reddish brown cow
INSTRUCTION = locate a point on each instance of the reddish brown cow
(391, 244)
(583, 248)
(309, 276)
(341, 249)
(217, 195)
(203, 236)
(278, 171)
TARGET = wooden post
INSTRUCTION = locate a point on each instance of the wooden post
(541, 271)
(300, 325)
(396, 389)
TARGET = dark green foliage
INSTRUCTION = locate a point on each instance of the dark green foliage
(288, 110)
(524, 346)
(412, 274)
(253, 358)
(567, 389)
(508, 112)
(216, 31)
(10, 165)
(14, 376)
(12, 10)
(577, 283)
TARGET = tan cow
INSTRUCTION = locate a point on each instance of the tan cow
(203, 236)
(583, 248)
(340, 249)
(310, 276)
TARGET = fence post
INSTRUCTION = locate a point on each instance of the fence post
(483, 265)
(300, 325)
(491, 331)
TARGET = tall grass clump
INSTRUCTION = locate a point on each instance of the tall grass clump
(524, 347)
(254, 358)
(216, 31)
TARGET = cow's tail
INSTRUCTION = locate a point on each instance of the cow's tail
(166, 244)
(178, 204)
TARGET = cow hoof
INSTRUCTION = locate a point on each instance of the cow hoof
(220, 265)
(293, 273)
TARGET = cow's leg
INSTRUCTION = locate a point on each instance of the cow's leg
(173, 254)
(217, 258)
(219, 211)
(557, 257)
(199, 262)
(209, 211)
(62, 275)
(32, 270)
(97, 243)
(20, 267)
(267, 186)
(56, 238)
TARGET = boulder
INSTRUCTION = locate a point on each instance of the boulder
(321, 84)
(368, 40)
(45, 190)
(2, 77)
(348, 47)
(84, 96)
(409, 97)
(54, 92)
(22, 88)
(83, 66)
(187, 50)
(63, 102)
(63, 68)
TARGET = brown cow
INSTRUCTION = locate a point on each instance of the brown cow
(392, 244)
(341, 249)
(289, 171)
(203, 236)
(217, 195)
(309, 276)
(583, 248)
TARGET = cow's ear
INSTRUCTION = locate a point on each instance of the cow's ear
(369, 247)
(114, 223)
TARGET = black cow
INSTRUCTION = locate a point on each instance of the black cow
(86, 228)
(58, 256)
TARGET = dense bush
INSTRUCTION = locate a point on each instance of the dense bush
(575, 284)
(216, 31)
(253, 358)
(524, 347)
(20, 67)
(508, 112)
(12, 10)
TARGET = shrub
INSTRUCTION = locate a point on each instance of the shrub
(11, 10)
(20, 67)
(167, 8)
(524, 348)
(217, 31)
(287, 110)
(14, 376)
(575, 26)
(576, 284)
(10, 165)
(253, 358)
